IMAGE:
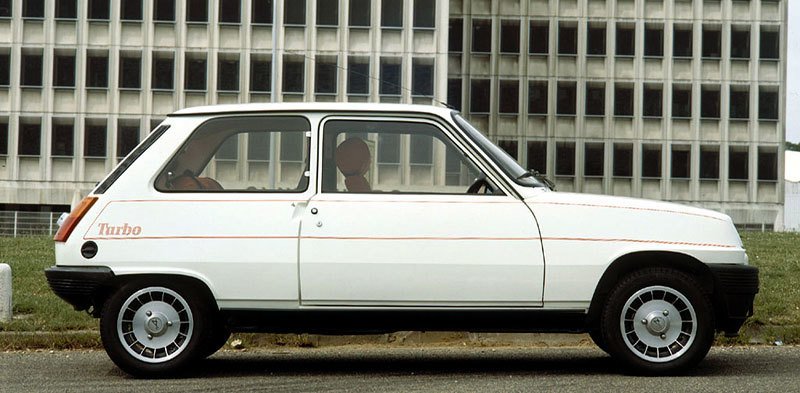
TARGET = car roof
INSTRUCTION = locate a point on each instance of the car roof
(312, 107)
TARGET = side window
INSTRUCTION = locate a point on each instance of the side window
(241, 154)
(393, 157)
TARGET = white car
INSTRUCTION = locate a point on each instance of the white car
(367, 218)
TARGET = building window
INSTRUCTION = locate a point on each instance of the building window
(95, 140)
(195, 76)
(455, 36)
(681, 161)
(738, 157)
(388, 148)
(391, 76)
(4, 138)
(682, 41)
(567, 39)
(651, 161)
(97, 70)
(32, 8)
(712, 42)
(509, 146)
(5, 69)
(709, 102)
(31, 73)
(260, 74)
(740, 103)
(421, 149)
(626, 40)
(197, 11)
(163, 74)
(623, 160)
(537, 156)
(595, 99)
(509, 36)
(565, 98)
(163, 10)
(681, 101)
(596, 40)
(593, 159)
(360, 13)
(768, 104)
(479, 95)
(767, 163)
(131, 10)
(325, 74)
(357, 75)
(565, 158)
(481, 35)
(127, 139)
(30, 139)
(327, 12)
(262, 12)
(539, 37)
(99, 9)
(709, 162)
(62, 141)
(623, 100)
(652, 99)
(740, 43)
(64, 70)
(454, 91)
(230, 11)
(66, 9)
(537, 97)
(294, 12)
(509, 96)
(392, 13)
(5, 12)
(422, 77)
(424, 13)
(770, 44)
(228, 73)
(294, 74)
(130, 66)
(654, 41)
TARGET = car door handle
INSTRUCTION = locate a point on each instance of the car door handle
(314, 210)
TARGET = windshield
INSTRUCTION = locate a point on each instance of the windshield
(507, 163)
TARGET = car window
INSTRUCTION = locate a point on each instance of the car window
(241, 154)
(394, 157)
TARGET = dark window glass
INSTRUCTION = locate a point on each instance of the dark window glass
(3, 139)
(681, 162)
(454, 91)
(325, 75)
(99, 9)
(740, 44)
(195, 74)
(537, 156)
(770, 46)
(390, 77)
(653, 98)
(767, 164)
(593, 159)
(66, 9)
(360, 13)
(623, 160)
(228, 75)
(481, 35)
(164, 10)
(537, 97)
(709, 103)
(358, 76)
(30, 139)
(64, 70)
(291, 146)
(97, 70)
(509, 36)
(565, 159)
(595, 100)
(424, 13)
(539, 38)
(131, 10)
(740, 104)
(258, 146)
(230, 11)
(197, 10)
(654, 41)
(768, 103)
(567, 40)
(5, 69)
(509, 96)
(388, 148)
(626, 41)
(712, 42)
(260, 75)
(262, 11)
(737, 163)
(327, 12)
(681, 101)
(421, 149)
(163, 73)
(596, 40)
(509, 147)
(293, 74)
(480, 91)
(565, 98)
(130, 72)
(95, 141)
(421, 78)
(455, 36)
(682, 41)
(5, 12)
(33, 9)
(392, 13)
(127, 139)
(709, 162)
(31, 74)
(651, 161)
(623, 100)
(62, 142)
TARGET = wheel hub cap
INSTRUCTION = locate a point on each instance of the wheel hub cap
(657, 323)
(156, 324)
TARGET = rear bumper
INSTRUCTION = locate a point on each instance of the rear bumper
(735, 289)
(79, 286)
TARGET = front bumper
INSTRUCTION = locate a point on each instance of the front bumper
(79, 286)
(735, 289)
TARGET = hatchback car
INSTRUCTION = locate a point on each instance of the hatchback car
(369, 218)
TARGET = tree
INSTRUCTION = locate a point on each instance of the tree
(792, 146)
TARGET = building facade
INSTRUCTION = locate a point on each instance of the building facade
(677, 100)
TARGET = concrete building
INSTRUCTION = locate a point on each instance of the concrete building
(678, 100)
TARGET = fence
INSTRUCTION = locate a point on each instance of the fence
(14, 223)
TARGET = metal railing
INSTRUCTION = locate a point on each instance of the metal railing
(16, 223)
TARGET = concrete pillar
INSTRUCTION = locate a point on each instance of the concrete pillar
(5, 293)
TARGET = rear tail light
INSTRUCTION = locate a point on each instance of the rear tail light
(74, 218)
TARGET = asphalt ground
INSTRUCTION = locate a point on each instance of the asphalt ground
(392, 369)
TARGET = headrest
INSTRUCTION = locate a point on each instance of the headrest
(352, 157)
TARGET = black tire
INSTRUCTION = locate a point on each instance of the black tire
(641, 304)
(597, 337)
(178, 336)
(217, 339)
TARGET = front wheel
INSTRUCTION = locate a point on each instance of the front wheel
(658, 321)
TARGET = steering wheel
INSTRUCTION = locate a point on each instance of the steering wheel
(479, 183)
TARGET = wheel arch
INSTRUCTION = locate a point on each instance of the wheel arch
(103, 294)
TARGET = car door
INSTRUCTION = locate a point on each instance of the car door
(401, 230)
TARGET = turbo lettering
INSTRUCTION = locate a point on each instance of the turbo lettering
(118, 230)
